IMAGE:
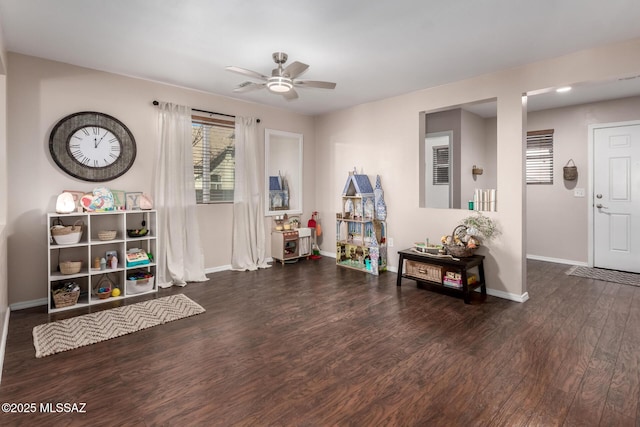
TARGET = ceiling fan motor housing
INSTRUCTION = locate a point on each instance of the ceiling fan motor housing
(279, 57)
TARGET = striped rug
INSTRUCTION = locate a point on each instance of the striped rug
(55, 337)
(622, 277)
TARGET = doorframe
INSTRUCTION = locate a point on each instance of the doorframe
(590, 177)
(452, 174)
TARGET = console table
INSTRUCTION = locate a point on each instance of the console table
(430, 269)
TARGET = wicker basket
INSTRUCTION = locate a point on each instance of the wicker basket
(104, 283)
(70, 267)
(457, 250)
(65, 299)
(104, 295)
(67, 235)
(570, 173)
(107, 235)
(460, 251)
(424, 271)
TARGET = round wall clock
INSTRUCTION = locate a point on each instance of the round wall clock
(92, 146)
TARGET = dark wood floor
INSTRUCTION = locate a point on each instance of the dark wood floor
(311, 344)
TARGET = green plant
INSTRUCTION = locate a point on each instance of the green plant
(480, 224)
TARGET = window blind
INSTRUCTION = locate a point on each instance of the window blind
(441, 165)
(213, 159)
(539, 163)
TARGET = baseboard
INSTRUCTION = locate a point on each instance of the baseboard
(28, 304)
(3, 341)
(508, 296)
(217, 269)
(557, 260)
(328, 254)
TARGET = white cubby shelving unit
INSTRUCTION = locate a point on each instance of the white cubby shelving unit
(90, 247)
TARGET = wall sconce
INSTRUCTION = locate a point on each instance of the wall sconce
(476, 170)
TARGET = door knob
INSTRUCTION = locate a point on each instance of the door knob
(599, 206)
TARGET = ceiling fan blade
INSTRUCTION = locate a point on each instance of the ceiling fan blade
(314, 83)
(246, 72)
(290, 95)
(294, 69)
(249, 86)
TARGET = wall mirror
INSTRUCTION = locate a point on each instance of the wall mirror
(458, 157)
(283, 172)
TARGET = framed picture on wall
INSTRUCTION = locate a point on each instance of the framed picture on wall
(133, 201)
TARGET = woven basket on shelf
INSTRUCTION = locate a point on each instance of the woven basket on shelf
(70, 267)
(67, 235)
(104, 283)
(65, 299)
(107, 234)
(457, 250)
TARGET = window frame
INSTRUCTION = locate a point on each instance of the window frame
(539, 166)
(202, 154)
(441, 170)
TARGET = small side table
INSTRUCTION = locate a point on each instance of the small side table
(460, 265)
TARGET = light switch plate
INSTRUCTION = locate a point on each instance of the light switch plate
(578, 192)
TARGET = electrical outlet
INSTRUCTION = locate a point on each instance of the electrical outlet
(390, 242)
(578, 192)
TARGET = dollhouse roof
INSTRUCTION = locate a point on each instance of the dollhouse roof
(357, 185)
(274, 183)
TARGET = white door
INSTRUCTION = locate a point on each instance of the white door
(616, 197)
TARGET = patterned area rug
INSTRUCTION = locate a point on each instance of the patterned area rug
(622, 277)
(55, 337)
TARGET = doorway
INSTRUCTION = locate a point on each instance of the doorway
(614, 214)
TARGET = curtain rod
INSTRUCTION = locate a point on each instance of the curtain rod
(208, 112)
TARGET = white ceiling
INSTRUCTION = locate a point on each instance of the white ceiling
(371, 49)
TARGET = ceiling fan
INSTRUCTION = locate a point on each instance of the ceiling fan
(282, 80)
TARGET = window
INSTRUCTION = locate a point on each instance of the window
(213, 159)
(441, 165)
(540, 157)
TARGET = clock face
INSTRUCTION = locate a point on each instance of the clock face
(92, 146)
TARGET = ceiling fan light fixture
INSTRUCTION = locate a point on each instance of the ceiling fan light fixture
(279, 84)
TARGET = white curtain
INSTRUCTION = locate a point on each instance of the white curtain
(179, 256)
(248, 251)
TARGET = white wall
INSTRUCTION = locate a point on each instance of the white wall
(476, 149)
(41, 92)
(556, 220)
(4, 287)
(384, 137)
